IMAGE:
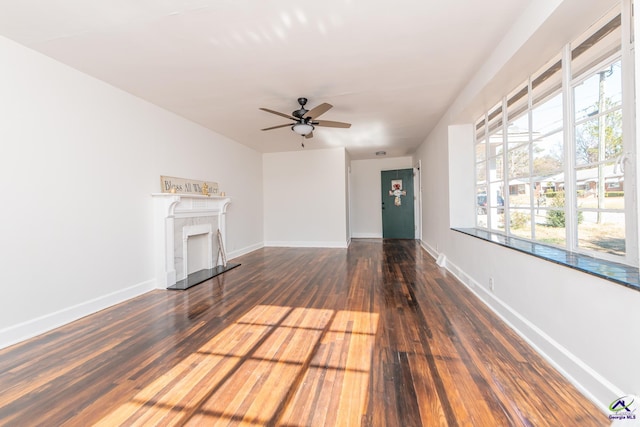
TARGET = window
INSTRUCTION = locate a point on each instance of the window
(551, 156)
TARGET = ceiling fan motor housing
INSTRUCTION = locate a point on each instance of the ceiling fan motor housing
(299, 113)
(302, 111)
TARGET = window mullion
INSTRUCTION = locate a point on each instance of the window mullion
(630, 160)
(487, 178)
(505, 166)
(571, 223)
(532, 211)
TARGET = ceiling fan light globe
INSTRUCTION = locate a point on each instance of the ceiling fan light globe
(302, 128)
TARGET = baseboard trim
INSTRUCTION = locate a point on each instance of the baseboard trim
(303, 244)
(590, 383)
(430, 249)
(31, 328)
(245, 250)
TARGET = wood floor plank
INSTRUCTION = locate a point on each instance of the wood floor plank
(264, 380)
(373, 335)
(178, 393)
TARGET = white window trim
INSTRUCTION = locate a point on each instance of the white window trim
(632, 237)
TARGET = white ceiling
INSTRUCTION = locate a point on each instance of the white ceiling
(389, 68)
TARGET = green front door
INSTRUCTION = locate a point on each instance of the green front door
(397, 204)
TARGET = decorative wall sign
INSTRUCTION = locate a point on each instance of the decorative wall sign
(170, 184)
(396, 191)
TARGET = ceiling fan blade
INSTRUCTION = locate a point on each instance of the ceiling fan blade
(331, 124)
(319, 110)
(309, 135)
(278, 113)
(276, 127)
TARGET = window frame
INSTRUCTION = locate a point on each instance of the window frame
(571, 210)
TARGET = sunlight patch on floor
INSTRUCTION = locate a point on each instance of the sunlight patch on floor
(274, 361)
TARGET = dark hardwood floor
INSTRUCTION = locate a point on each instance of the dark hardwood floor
(374, 335)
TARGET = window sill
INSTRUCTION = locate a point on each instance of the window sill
(619, 273)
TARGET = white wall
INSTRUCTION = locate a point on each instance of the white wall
(587, 327)
(305, 198)
(347, 198)
(365, 194)
(460, 139)
(78, 164)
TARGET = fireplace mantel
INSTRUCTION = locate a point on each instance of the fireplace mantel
(167, 208)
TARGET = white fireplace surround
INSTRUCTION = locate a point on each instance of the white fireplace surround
(169, 207)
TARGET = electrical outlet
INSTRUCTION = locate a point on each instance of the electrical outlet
(491, 283)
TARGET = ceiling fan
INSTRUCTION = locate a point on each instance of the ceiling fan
(304, 119)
